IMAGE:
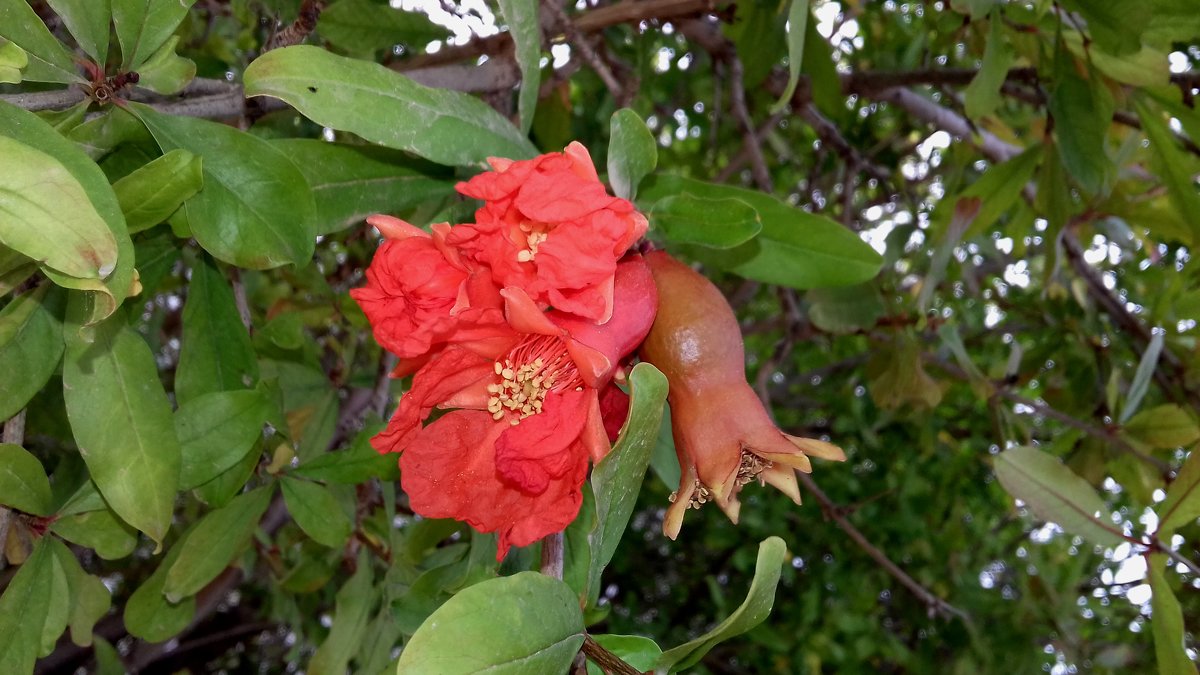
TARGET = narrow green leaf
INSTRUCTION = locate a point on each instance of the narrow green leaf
(102, 531)
(58, 610)
(753, 611)
(997, 190)
(525, 623)
(256, 210)
(1167, 622)
(48, 216)
(1164, 426)
(821, 69)
(966, 210)
(797, 30)
(88, 21)
(982, 95)
(121, 419)
(617, 479)
(31, 346)
(229, 483)
(216, 431)
(1082, 112)
(148, 615)
(152, 193)
(23, 610)
(1142, 376)
(1172, 165)
(357, 464)
(166, 72)
(844, 310)
(13, 60)
(317, 512)
(88, 597)
(795, 248)
(1182, 504)
(715, 223)
(100, 135)
(23, 482)
(108, 661)
(637, 651)
(363, 27)
(1055, 493)
(632, 152)
(526, 31)
(144, 25)
(351, 182)
(49, 60)
(215, 353)
(214, 543)
(383, 106)
(1116, 26)
(351, 613)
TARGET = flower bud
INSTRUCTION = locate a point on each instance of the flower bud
(724, 437)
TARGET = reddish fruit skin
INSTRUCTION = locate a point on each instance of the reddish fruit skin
(723, 435)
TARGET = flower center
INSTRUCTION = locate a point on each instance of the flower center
(534, 368)
(535, 234)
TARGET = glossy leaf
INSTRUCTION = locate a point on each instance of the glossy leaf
(49, 60)
(797, 30)
(982, 95)
(152, 193)
(31, 346)
(383, 106)
(23, 482)
(753, 611)
(58, 611)
(48, 216)
(215, 353)
(637, 651)
(148, 615)
(525, 623)
(102, 531)
(1055, 493)
(359, 463)
(144, 25)
(617, 479)
(216, 431)
(89, 597)
(24, 607)
(88, 21)
(1167, 623)
(525, 29)
(363, 27)
(256, 210)
(795, 248)
(212, 545)
(1182, 505)
(351, 613)
(13, 60)
(632, 152)
(715, 223)
(317, 512)
(121, 419)
(166, 72)
(351, 182)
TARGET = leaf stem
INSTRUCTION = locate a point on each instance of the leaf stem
(609, 662)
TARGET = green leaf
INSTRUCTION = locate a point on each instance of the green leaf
(637, 651)
(101, 135)
(753, 611)
(358, 464)
(24, 608)
(102, 531)
(632, 152)
(215, 353)
(218, 491)
(819, 66)
(58, 611)
(1116, 26)
(353, 609)
(997, 190)
(982, 95)
(88, 21)
(48, 216)
(317, 512)
(525, 623)
(1055, 493)
(121, 419)
(1164, 426)
(715, 223)
(256, 210)
(795, 248)
(166, 72)
(1167, 622)
(351, 182)
(108, 661)
(144, 25)
(526, 32)
(1142, 376)
(23, 482)
(1172, 165)
(13, 60)
(216, 431)
(1182, 504)
(617, 479)
(25, 127)
(214, 543)
(1082, 112)
(310, 402)
(89, 597)
(31, 347)
(148, 615)
(797, 31)
(152, 193)
(49, 60)
(383, 106)
(844, 310)
(363, 27)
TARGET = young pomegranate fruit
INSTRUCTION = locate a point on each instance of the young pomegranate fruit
(723, 436)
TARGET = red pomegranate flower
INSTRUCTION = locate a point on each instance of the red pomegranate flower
(512, 456)
(549, 228)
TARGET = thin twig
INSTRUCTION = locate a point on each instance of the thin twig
(737, 99)
(580, 42)
(300, 29)
(608, 662)
(1177, 556)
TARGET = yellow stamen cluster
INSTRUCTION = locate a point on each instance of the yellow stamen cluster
(750, 468)
(522, 389)
(700, 496)
(534, 236)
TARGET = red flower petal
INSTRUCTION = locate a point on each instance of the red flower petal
(541, 447)
(448, 373)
